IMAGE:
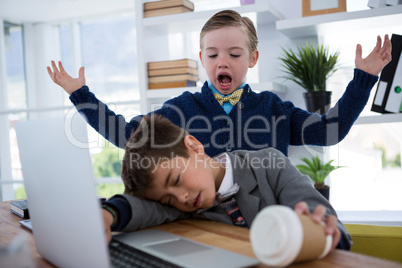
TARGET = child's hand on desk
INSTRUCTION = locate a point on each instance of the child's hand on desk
(377, 59)
(63, 79)
(319, 216)
(107, 223)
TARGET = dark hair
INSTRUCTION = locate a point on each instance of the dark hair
(227, 18)
(156, 138)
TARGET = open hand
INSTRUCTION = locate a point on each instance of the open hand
(319, 216)
(377, 59)
(63, 79)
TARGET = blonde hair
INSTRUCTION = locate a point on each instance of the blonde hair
(228, 18)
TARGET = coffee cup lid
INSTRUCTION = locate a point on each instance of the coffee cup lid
(276, 235)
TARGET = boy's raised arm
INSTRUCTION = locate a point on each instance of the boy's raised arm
(377, 59)
(63, 79)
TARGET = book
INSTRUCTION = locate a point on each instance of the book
(172, 78)
(172, 64)
(170, 71)
(20, 207)
(167, 4)
(172, 84)
(26, 223)
(166, 11)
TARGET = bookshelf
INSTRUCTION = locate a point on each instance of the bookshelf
(195, 20)
(150, 30)
(343, 21)
(379, 118)
(153, 45)
(314, 26)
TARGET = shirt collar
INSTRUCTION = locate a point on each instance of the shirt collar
(214, 90)
(227, 180)
(227, 188)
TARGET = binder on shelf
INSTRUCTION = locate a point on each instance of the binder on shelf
(20, 208)
(388, 96)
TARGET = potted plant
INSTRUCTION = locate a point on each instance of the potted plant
(310, 67)
(318, 171)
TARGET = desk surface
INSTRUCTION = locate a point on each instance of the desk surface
(218, 234)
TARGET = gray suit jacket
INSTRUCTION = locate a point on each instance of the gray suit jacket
(266, 177)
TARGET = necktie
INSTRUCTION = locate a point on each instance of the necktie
(233, 98)
(219, 198)
(228, 203)
(232, 209)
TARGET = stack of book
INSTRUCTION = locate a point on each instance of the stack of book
(167, 7)
(20, 207)
(172, 74)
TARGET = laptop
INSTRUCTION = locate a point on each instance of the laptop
(65, 211)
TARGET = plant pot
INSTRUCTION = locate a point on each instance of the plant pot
(318, 101)
(324, 191)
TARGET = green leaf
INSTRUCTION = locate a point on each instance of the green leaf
(316, 170)
(309, 66)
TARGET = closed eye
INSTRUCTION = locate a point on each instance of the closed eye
(177, 180)
(234, 55)
(212, 56)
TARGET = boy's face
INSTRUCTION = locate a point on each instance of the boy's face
(184, 183)
(226, 58)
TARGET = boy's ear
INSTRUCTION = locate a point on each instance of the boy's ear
(200, 55)
(253, 58)
(193, 144)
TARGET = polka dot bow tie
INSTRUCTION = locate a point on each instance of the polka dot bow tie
(233, 99)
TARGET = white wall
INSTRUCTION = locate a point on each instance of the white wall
(52, 10)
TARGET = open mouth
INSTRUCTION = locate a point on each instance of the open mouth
(224, 79)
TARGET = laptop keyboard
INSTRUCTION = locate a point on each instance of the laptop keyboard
(123, 255)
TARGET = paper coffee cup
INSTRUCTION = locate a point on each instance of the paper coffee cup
(279, 237)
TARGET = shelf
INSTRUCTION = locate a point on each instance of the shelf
(167, 93)
(380, 118)
(193, 21)
(172, 92)
(268, 86)
(381, 217)
(340, 22)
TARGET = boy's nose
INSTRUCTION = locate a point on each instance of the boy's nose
(182, 196)
(222, 62)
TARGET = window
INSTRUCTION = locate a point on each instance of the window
(15, 67)
(371, 153)
(109, 57)
(371, 178)
(106, 158)
(16, 100)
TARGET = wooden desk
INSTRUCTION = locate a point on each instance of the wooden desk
(221, 235)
